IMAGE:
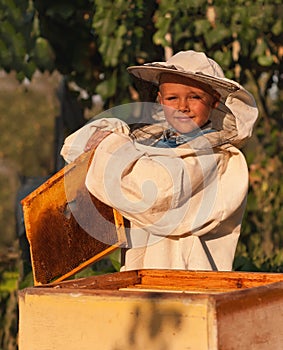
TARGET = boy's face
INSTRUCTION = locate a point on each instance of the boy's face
(186, 104)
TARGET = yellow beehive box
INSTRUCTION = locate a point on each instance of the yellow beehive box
(155, 309)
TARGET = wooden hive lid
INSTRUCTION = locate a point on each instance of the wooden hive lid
(68, 228)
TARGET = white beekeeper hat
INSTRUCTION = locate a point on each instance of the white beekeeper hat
(190, 64)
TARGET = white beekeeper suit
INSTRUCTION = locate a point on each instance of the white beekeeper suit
(185, 204)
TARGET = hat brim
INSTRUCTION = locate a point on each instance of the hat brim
(151, 73)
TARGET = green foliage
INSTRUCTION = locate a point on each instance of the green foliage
(261, 243)
(93, 41)
(9, 282)
(66, 27)
(109, 264)
(116, 26)
(19, 40)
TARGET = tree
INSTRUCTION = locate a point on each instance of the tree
(91, 42)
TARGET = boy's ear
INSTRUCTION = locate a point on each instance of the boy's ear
(215, 104)
(159, 97)
(216, 101)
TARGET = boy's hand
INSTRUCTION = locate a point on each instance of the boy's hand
(95, 139)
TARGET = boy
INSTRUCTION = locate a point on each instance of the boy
(181, 182)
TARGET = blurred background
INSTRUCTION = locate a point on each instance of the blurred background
(63, 62)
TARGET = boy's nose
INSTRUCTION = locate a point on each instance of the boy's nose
(184, 105)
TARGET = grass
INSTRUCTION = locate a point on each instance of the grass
(9, 281)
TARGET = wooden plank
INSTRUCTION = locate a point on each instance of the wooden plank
(67, 227)
(111, 281)
(201, 280)
(174, 280)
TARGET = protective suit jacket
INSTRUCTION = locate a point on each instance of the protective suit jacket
(185, 204)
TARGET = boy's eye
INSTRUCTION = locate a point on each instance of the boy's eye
(194, 97)
(189, 98)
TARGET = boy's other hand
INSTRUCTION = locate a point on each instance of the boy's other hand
(95, 139)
